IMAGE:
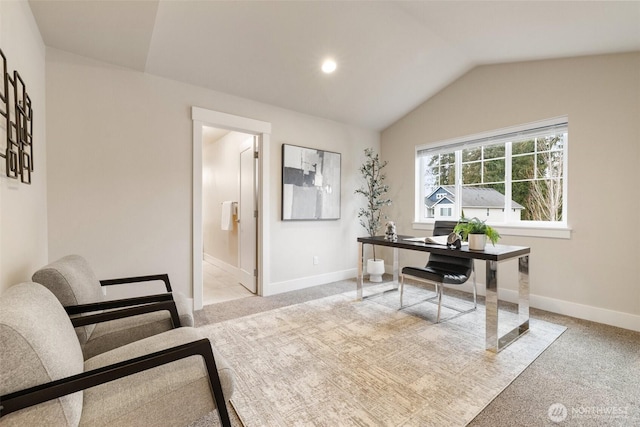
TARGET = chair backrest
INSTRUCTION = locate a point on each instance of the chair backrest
(443, 228)
(461, 266)
(38, 346)
(73, 282)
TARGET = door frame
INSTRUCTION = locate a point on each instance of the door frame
(204, 117)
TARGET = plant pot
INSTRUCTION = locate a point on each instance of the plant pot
(477, 242)
(375, 268)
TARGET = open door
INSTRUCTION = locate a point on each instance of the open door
(247, 214)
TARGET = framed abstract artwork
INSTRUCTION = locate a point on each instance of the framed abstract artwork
(310, 184)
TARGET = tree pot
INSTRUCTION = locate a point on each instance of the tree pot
(375, 268)
(477, 242)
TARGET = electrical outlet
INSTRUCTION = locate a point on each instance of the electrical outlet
(316, 260)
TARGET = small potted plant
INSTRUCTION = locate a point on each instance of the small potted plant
(476, 232)
(371, 216)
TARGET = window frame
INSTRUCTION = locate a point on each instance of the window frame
(506, 136)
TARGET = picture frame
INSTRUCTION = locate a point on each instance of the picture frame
(310, 184)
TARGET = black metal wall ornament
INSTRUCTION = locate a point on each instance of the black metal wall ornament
(15, 107)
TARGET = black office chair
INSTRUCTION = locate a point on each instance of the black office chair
(442, 270)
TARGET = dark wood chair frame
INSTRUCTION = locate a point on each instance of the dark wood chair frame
(132, 307)
(41, 393)
(138, 279)
(137, 305)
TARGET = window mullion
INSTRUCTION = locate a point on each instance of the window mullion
(508, 193)
(535, 159)
(420, 211)
(458, 185)
(565, 174)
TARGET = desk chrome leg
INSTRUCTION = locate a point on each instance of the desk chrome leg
(395, 268)
(494, 342)
(491, 304)
(524, 292)
(359, 278)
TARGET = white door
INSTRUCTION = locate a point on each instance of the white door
(248, 224)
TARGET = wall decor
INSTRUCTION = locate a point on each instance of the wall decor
(15, 107)
(310, 184)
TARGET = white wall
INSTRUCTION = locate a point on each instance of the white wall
(220, 182)
(121, 169)
(23, 208)
(594, 274)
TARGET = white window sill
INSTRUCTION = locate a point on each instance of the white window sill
(525, 230)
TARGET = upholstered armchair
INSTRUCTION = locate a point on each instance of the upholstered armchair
(172, 378)
(76, 286)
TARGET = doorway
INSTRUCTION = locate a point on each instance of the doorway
(255, 218)
(229, 193)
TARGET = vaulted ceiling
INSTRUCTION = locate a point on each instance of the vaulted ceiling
(391, 55)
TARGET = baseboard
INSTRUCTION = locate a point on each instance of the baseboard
(307, 282)
(580, 311)
(231, 269)
(566, 308)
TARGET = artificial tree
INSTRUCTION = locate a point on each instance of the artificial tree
(374, 191)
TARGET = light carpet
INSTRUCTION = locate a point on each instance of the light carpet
(339, 362)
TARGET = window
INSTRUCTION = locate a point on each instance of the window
(445, 212)
(512, 176)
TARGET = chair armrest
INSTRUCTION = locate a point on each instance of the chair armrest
(119, 303)
(137, 279)
(106, 316)
(53, 390)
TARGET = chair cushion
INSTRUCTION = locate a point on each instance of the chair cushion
(435, 275)
(73, 282)
(443, 269)
(173, 394)
(116, 333)
(38, 345)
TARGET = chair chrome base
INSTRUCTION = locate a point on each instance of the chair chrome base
(439, 291)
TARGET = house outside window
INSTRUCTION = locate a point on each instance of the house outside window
(512, 176)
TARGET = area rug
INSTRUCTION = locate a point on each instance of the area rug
(336, 361)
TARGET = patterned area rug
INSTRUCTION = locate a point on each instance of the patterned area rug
(338, 362)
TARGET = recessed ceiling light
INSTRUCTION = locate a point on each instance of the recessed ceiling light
(329, 66)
